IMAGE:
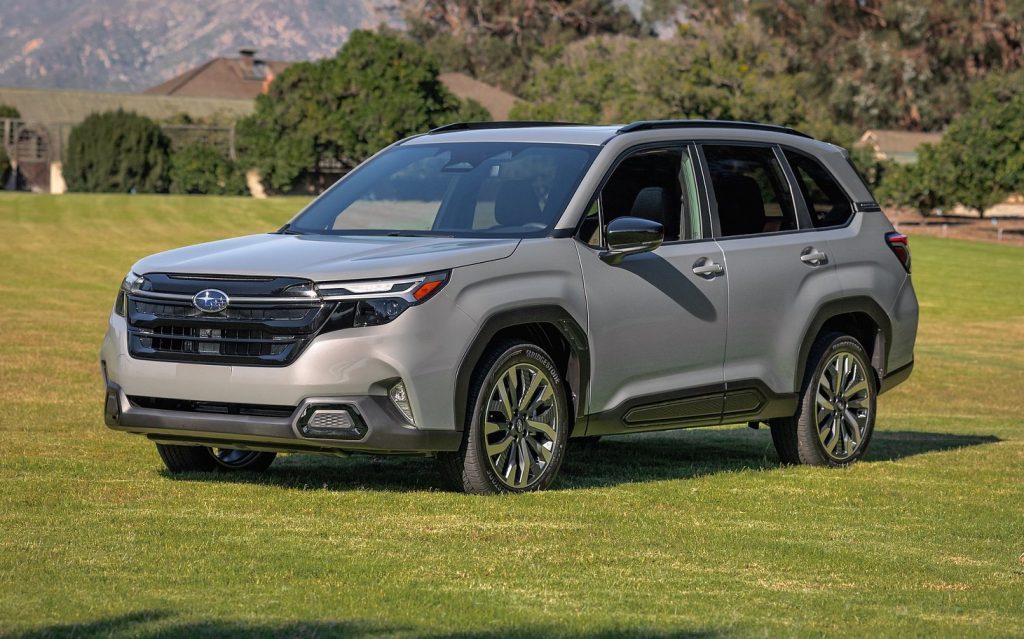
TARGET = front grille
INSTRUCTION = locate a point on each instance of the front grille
(214, 341)
(164, 324)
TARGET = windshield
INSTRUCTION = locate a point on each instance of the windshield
(475, 189)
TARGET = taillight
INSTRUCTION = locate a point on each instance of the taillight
(900, 245)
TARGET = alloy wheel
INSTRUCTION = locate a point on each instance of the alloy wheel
(843, 406)
(521, 425)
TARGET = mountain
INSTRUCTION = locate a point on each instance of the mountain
(129, 45)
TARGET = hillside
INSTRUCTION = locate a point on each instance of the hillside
(128, 45)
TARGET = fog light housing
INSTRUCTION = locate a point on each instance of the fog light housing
(400, 398)
(331, 421)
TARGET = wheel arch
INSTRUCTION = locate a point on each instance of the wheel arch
(861, 317)
(548, 326)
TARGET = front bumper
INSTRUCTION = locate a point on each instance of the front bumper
(386, 431)
(355, 366)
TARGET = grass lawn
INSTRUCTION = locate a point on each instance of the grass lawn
(695, 533)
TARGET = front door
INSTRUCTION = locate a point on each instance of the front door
(657, 320)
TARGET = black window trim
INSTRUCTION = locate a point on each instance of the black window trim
(803, 219)
(703, 194)
(854, 208)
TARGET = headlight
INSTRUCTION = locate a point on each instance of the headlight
(376, 302)
(121, 303)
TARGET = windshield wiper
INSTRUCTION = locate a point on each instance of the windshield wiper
(288, 230)
(417, 234)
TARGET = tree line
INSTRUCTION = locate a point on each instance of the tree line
(830, 67)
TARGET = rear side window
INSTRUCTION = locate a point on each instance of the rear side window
(751, 190)
(827, 203)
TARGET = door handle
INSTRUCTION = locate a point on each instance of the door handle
(813, 256)
(707, 269)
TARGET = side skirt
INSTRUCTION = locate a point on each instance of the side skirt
(732, 403)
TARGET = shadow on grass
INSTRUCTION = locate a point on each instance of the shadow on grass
(897, 444)
(682, 454)
(154, 625)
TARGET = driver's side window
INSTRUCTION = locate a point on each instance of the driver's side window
(657, 184)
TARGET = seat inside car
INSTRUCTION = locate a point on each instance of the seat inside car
(646, 186)
(653, 203)
(740, 205)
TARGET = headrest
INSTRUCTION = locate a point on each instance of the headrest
(651, 203)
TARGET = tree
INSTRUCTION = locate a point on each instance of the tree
(378, 89)
(922, 185)
(117, 151)
(706, 72)
(201, 168)
(980, 160)
(881, 63)
(497, 40)
(7, 111)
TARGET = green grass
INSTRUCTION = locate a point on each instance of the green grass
(694, 533)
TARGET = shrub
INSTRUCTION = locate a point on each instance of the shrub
(7, 111)
(201, 168)
(117, 152)
(924, 185)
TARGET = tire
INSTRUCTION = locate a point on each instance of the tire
(503, 450)
(199, 459)
(811, 436)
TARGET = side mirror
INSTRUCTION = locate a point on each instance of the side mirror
(631, 235)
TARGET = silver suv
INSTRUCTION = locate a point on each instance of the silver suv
(486, 293)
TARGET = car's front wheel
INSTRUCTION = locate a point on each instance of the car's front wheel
(191, 459)
(518, 423)
(836, 414)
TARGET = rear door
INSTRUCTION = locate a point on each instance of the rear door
(657, 328)
(779, 271)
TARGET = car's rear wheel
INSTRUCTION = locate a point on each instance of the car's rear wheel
(517, 426)
(836, 415)
(192, 459)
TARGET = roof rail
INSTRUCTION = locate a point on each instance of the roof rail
(508, 124)
(645, 125)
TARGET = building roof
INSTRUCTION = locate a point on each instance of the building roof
(896, 145)
(241, 78)
(246, 76)
(71, 107)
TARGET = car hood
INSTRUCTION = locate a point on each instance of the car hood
(327, 257)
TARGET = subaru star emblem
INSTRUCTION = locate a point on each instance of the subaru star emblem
(211, 300)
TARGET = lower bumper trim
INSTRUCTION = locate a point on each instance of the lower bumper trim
(387, 432)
